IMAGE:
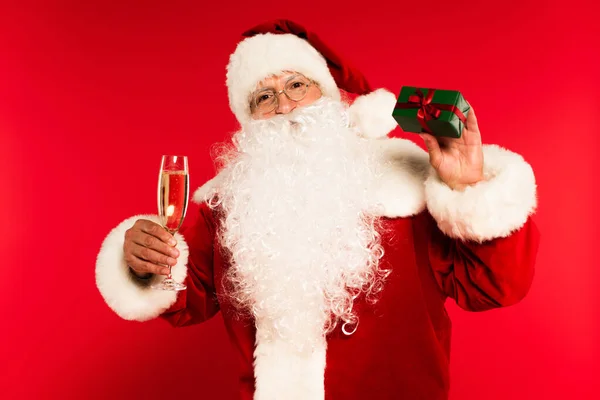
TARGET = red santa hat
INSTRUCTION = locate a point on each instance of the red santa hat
(282, 45)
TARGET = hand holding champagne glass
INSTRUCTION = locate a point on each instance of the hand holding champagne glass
(173, 186)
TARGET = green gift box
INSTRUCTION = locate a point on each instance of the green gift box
(435, 111)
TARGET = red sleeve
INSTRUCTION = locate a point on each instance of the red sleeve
(198, 302)
(482, 276)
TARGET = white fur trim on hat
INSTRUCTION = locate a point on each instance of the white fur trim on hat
(491, 208)
(128, 298)
(371, 114)
(261, 56)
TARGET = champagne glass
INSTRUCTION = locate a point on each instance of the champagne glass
(173, 186)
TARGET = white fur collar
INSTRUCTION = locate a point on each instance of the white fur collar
(401, 189)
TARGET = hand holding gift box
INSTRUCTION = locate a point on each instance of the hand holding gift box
(451, 133)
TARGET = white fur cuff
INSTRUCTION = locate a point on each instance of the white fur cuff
(128, 298)
(490, 209)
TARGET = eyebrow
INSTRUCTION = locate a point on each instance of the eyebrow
(296, 75)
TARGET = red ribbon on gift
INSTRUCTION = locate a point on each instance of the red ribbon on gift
(427, 109)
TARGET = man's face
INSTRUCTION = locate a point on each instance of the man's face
(281, 94)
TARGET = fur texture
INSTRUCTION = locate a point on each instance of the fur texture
(129, 299)
(261, 56)
(399, 189)
(283, 373)
(490, 209)
(297, 198)
(372, 114)
(408, 184)
(205, 191)
(299, 221)
(405, 166)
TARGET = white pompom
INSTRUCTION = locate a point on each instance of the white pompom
(371, 114)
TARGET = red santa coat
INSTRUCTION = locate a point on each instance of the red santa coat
(477, 246)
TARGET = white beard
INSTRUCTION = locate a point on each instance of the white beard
(299, 223)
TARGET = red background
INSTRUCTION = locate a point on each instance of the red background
(93, 92)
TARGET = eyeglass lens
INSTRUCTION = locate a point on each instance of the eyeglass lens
(295, 89)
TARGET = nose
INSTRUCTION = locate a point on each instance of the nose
(284, 105)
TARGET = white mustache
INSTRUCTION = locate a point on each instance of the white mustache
(304, 115)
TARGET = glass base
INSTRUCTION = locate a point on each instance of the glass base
(169, 284)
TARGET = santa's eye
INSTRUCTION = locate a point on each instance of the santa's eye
(263, 97)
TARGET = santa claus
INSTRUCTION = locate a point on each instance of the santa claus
(329, 249)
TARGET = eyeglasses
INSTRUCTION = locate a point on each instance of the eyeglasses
(267, 99)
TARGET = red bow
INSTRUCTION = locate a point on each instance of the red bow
(427, 109)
